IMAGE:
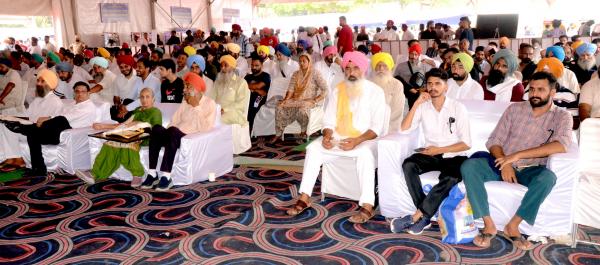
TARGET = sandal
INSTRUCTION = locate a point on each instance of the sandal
(363, 216)
(519, 242)
(298, 208)
(486, 240)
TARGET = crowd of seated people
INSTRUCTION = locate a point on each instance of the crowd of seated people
(356, 88)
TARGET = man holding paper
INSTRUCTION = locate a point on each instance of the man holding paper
(114, 154)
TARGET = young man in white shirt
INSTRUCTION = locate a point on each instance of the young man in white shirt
(68, 79)
(124, 87)
(445, 125)
(461, 85)
(145, 80)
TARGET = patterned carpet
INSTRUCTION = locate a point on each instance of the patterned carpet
(239, 219)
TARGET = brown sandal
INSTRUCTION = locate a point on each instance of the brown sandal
(363, 216)
(486, 240)
(298, 208)
(519, 242)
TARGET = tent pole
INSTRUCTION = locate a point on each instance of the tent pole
(209, 13)
(152, 15)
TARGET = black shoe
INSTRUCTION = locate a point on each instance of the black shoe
(149, 182)
(35, 173)
(165, 184)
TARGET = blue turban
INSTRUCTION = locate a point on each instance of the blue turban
(586, 48)
(196, 59)
(100, 61)
(509, 58)
(303, 43)
(557, 51)
(64, 67)
(283, 49)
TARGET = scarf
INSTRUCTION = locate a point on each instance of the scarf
(344, 126)
(503, 90)
(302, 83)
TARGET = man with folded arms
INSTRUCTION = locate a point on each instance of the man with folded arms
(519, 146)
(195, 114)
(445, 125)
(354, 115)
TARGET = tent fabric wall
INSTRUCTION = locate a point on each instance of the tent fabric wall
(64, 29)
(199, 14)
(26, 8)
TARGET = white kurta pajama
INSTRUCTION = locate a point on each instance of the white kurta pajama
(332, 74)
(50, 105)
(368, 114)
(108, 90)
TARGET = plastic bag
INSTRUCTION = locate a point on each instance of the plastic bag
(455, 218)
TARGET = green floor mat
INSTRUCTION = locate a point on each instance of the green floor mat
(17, 174)
(302, 147)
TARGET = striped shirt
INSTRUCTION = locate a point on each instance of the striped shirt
(519, 130)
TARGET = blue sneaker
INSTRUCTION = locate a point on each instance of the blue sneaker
(149, 182)
(164, 184)
(400, 224)
(420, 225)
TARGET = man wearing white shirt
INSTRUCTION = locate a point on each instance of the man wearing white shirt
(330, 68)
(389, 34)
(10, 88)
(462, 86)
(354, 116)
(144, 80)
(125, 87)
(67, 80)
(48, 46)
(45, 104)
(35, 48)
(285, 67)
(47, 130)
(445, 126)
(482, 65)
(35, 66)
(406, 34)
(104, 90)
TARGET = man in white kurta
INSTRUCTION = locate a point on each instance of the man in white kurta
(232, 93)
(104, 90)
(461, 85)
(35, 66)
(393, 89)
(330, 68)
(11, 89)
(45, 104)
(285, 66)
(68, 79)
(354, 116)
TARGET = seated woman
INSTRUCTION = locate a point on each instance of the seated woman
(307, 88)
(114, 154)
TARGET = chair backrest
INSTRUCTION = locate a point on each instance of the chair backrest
(279, 87)
(167, 110)
(589, 148)
(102, 111)
(483, 118)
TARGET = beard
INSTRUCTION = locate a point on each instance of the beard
(353, 87)
(224, 79)
(41, 91)
(382, 78)
(457, 77)
(526, 60)
(587, 64)
(255, 71)
(282, 65)
(537, 102)
(495, 77)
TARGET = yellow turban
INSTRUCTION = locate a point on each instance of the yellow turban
(104, 53)
(233, 48)
(382, 57)
(189, 50)
(263, 48)
(229, 60)
(505, 41)
(576, 44)
(551, 65)
(465, 59)
(49, 77)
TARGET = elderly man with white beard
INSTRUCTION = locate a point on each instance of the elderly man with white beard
(45, 104)
(354, 116)
(285, 67)
(586, 64)
(393, 89)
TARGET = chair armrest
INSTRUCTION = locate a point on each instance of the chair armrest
(404, 142)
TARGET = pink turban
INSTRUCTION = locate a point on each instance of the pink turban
(358, 58)
(329, 51)
(416, 47)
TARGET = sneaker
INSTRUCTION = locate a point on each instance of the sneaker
(149, 182)
(400, 224)
(164, 184)
(418, 227)
(86, 176)
(136, 182)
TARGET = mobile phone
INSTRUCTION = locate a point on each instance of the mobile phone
(419, 150)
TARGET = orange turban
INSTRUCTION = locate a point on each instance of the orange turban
(196, 81)
(551, 65)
